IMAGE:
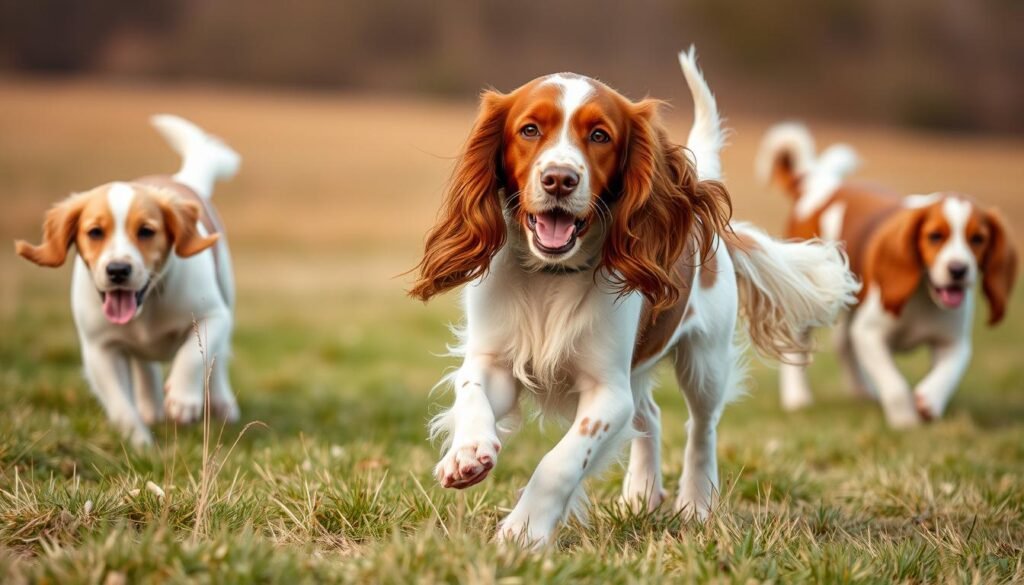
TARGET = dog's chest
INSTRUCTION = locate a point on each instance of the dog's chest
(922, 322)
(549, 323)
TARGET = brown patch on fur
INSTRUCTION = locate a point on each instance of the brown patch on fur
(657, 327)
(470, 227)
(585, 426)
(998, 265)
(607, 426)
(596, 428)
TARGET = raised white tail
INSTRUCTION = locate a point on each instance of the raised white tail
(787, 158)
(706, 136)
(205, 159)
(788, 288)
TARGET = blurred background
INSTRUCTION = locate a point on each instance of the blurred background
(947, 64)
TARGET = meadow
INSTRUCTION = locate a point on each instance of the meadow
(328, 475)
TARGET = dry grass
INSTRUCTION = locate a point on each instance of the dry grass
(331, 205)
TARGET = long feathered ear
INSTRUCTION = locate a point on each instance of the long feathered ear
(180, 216)
(893, 261)
(59, 230)
(999, 266)
(470, 227)
(662, 205)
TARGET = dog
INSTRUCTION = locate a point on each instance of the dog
(152, 261)
(919, 258)
(593, 247)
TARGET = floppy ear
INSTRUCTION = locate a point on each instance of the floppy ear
(893, 262)
(661, 206)
(470, 227)
(999, 267)
(59, 230)
(181, 217)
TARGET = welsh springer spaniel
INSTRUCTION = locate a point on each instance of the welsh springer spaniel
(919, 258)
(594, 247)
(151, 260)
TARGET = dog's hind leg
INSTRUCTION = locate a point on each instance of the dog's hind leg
(642, 486)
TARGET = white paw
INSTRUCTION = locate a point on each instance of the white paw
(523, 534)
(183, 407)
(927, 409)
(643, 501)
(134, 431)
(793, 401)
(695, 502)
(468, 462)
(151, 412)
(902, 416)
(224, 408)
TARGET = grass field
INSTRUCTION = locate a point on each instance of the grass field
(336, 365)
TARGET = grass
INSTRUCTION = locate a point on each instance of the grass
(335, 485)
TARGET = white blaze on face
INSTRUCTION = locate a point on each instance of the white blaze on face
(564, 151)
(956, 250)
(120, 247)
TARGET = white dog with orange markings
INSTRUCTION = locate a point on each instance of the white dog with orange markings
(152, 262)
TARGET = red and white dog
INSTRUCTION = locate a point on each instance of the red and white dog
(152, 259)
(919, 258)
(594, 247)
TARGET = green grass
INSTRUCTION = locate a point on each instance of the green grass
(336, 484)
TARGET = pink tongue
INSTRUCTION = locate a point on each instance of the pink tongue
(554, 229)
(951, 296)
(119, 306)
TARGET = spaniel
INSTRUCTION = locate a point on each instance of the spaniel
(592, 248)
(152, 260)
(919, 258)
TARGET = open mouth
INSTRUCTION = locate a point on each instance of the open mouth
(120, 305)
(951, 296)
(555, 231)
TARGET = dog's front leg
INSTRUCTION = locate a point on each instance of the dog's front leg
(484, 394)
(192, 365)
(869, 332)
(934, 391)
(107, 372)
(602, 424)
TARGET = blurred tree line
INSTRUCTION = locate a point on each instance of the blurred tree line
(952, 64)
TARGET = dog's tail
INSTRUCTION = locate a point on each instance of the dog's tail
(787, 159)
(788, 288)
(205, 159)
(706, 136)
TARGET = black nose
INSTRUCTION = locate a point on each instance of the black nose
(559, 181)
(118, 272)
(957, 270)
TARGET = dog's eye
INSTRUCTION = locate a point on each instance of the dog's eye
(95, 233)
(600, 137)
(935, 237)
(978, 239)
(529, 131)
(146, 232)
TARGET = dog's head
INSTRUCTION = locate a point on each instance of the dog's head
(951, 242)
(575, 175)
(125, 233)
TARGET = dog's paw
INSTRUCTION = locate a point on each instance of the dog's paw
(902, 418)
(926, 409)
(641, 502)
(468, 462)
(183, 407)
(151, 412)
(224, 408)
